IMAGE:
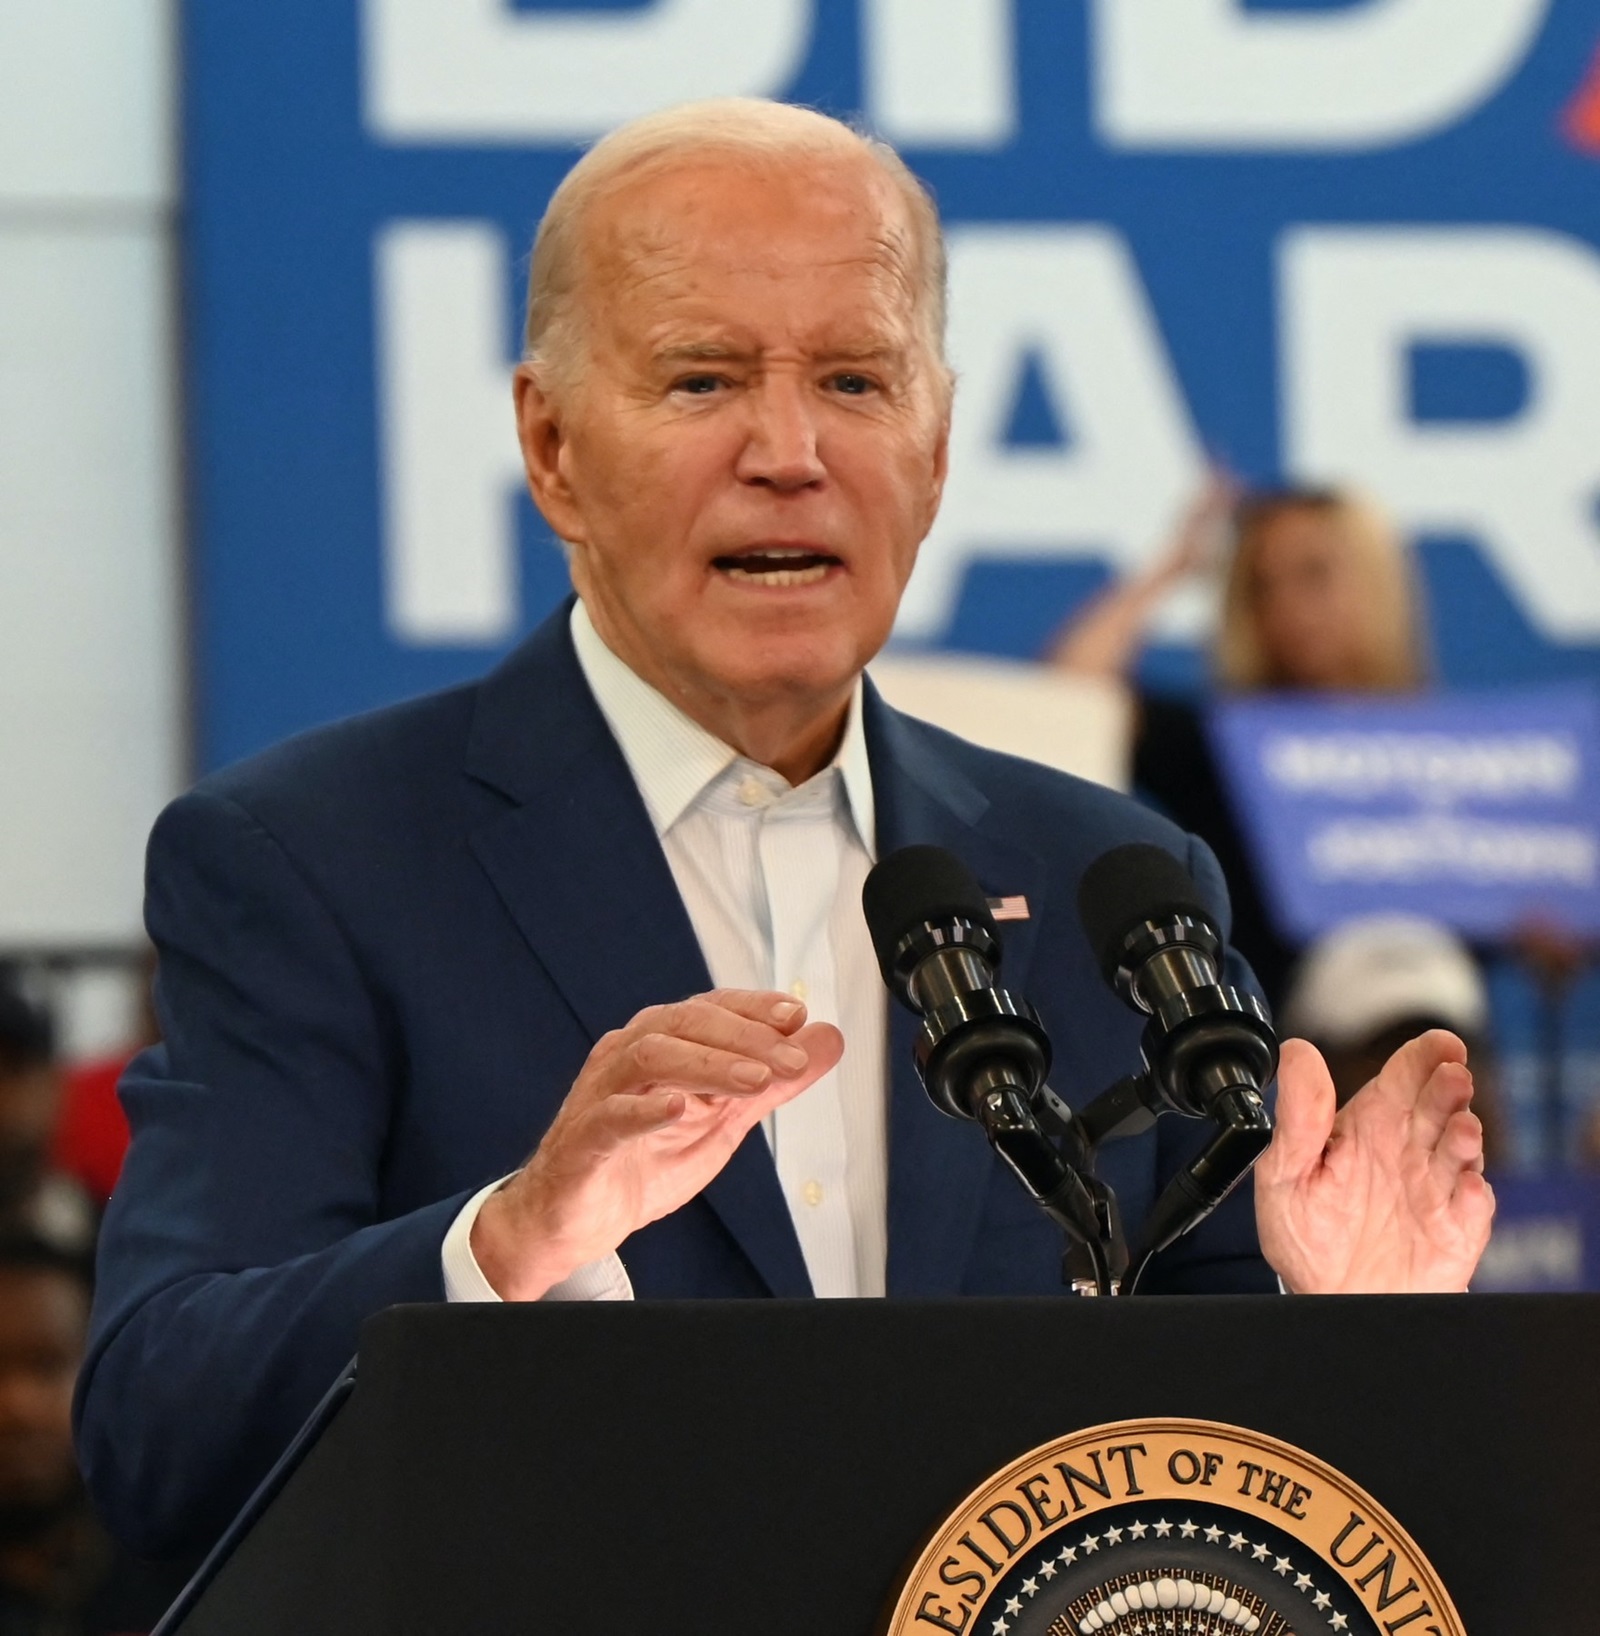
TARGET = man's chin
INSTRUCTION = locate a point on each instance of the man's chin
(792, 674)
(767, 648)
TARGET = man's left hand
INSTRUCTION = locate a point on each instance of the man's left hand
(1384, 1194)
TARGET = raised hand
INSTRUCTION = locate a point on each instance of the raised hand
(1200, 542)
(657, 1110)
(1387, 1193)
(1104, 638)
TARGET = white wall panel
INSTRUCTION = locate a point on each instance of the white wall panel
(86, 101)
(89, 645)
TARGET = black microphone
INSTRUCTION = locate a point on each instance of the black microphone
(939, 953)
(982, 1053)
(1207, 1043)
(1209, 1047)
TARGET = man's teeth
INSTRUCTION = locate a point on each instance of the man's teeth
(772, 567)
(779, 576)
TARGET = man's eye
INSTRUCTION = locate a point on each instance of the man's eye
(698, 385)
(855, 386)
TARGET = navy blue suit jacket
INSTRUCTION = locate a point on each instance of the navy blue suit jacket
(386, 948)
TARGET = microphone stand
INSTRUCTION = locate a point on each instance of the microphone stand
(1244, 1130)
(992, 1047)
(1056, 1168)
(1129, 1108)
(1208, 1049)
(982, 1054)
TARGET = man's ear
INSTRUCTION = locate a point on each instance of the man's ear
(941, 462)
(541, 434)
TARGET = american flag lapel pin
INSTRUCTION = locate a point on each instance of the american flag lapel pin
(1012, 908)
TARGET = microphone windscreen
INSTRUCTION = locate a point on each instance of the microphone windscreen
(916, 884)
(1126, 886)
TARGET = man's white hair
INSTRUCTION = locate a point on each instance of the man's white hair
(752, 127)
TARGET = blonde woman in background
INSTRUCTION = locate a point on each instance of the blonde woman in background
(1319, 596)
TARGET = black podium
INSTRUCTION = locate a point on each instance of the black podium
(773, 1468)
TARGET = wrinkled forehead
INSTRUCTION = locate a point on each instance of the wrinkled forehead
(712, 225)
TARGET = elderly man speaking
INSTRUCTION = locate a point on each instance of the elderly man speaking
(605, 904)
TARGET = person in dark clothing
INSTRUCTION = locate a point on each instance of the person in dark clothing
(1175, 770)
(1319, 595)
(60, 1574)
(1362, 990)
(34, 1196)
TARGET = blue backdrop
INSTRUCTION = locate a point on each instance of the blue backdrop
(1334, 239)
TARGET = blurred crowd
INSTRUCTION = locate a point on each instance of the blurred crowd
(62, 1136)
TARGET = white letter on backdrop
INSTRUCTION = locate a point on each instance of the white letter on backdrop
(939, 73)
(1355, 300)
(476, 71)
(1072, 298)
(1209, 74)
(451, 464)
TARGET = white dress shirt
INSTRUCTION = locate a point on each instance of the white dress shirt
(771, 877)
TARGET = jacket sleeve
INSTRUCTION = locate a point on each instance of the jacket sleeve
(244, 1245)
(1223, 1254)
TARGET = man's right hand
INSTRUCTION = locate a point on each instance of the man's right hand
(655, 1113)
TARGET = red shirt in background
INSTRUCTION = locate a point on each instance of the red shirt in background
(92, 1134)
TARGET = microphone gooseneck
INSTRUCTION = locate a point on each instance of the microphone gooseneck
(981, 1052)
(1209, 1047)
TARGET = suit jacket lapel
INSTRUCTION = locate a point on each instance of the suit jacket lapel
(575, 858)
(939, 1168)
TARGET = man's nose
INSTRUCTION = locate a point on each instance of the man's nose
(781, 449)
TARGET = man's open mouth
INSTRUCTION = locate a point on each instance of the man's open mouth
(777, 565)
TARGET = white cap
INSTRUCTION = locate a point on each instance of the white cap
(1368, 974)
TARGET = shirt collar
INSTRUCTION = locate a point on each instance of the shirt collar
(673, 758)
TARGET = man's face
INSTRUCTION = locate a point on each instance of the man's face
(755, 444)
(43, 1320)
(30, 1100)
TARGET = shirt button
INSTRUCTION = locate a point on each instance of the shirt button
(798, 988)
(753, 793)
(812, 1193)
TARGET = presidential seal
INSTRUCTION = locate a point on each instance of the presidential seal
(1172, 1528)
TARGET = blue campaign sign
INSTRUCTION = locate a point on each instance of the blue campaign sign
(1546, 1236)
(1480, 811)
(1328, 238)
